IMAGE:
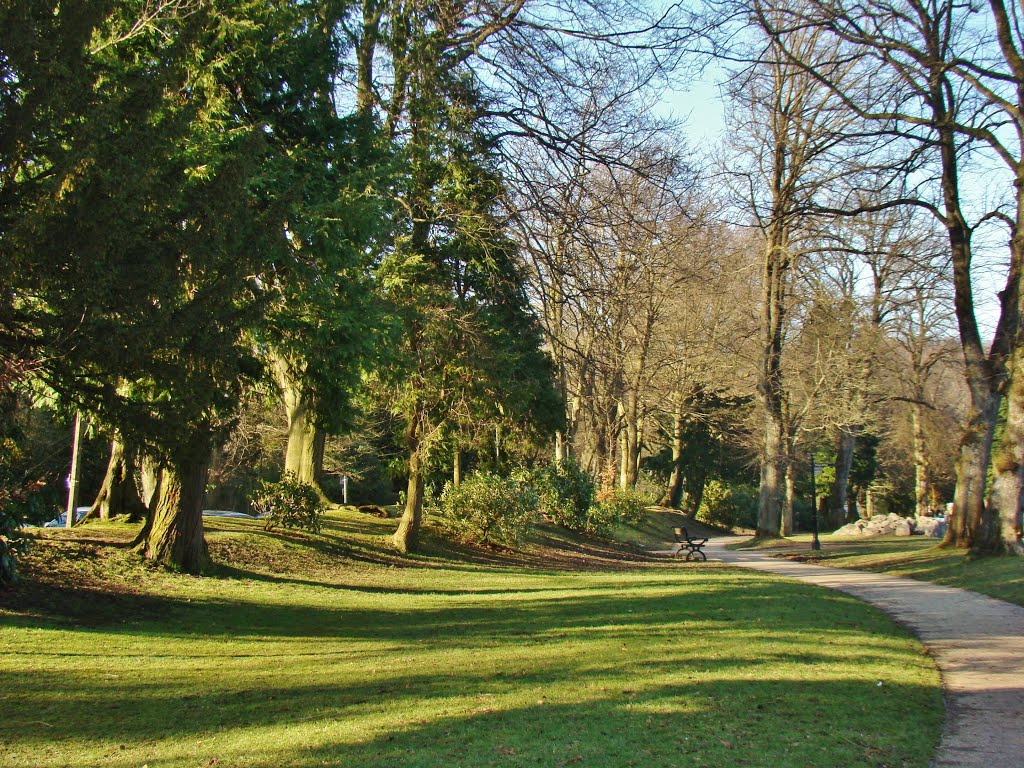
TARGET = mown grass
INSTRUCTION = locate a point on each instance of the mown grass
(919, 558)
(329, 650)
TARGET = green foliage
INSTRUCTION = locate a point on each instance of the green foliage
(620, 505)
(486, 508)
(566, 493)
(289, 503)
(134, 242)
(728, 505)
(467, 352)
(17, 490)
(824, 480)
(12, 543)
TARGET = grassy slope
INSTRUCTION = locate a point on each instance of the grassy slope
(330, 650)
(917, 558)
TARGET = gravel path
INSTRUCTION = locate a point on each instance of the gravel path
(977, 643)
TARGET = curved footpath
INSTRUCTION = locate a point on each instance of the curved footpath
(977, 643)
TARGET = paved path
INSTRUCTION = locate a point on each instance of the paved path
(977, 643)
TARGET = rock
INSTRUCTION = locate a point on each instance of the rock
(934, 527)
(851, 529)
(892, 524)
(373, 509)
(881, 525)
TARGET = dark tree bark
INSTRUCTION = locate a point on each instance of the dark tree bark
(836, 508)
(773, 472)
(118, 494)
(922, 469)
(407, 537)
(696, 479)
(1000, 530)
(674, 492)
(631, 441)
(175, 536)
(788, 526)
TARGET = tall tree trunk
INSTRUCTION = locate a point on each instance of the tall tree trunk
(559, 447)
(407, 537)
(922, 473)
(836, 508)
(175, 537)
(695, 480)
(457, 468)
(770, 387)
(365, 48)
(788, 523)
(1000, 530)
(985, 373)
(305, 441)
(301, 453)
(118, 494)
(771, 492)
(870, 506)
(319, 449)
(674, 493)
(150, 473)
(972, 474)
(630, 442)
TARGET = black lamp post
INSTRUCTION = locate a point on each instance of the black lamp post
(815, 543)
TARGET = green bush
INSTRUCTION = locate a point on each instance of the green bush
(600, 519)
(566, 494)
(728, 505)
(12, 546)
(20, 501)
(289, 504)
(486, 508)
(621, 505)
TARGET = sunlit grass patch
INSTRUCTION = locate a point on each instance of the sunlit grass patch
(460, 664)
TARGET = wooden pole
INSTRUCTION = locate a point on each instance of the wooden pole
(76, 444)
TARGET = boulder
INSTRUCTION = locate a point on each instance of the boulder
(852, 529)
(903, 528)
(892, 524)
(934, 527)
(881, 525)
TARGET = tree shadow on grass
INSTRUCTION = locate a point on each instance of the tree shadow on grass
(543, 717)
(450, 677)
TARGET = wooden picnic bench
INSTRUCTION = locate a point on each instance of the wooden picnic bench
(691, 546)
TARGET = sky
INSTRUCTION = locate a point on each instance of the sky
(700, 106)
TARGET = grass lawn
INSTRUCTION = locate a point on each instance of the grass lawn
(328, 650)
(917, 558)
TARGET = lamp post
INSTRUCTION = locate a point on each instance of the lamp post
(815, 542)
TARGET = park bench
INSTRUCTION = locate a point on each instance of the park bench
(691, 546)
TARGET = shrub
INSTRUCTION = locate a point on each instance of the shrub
(289, 504)
(566, 494)
(621, 505)
(20, 501)
(12, 545)
(600, 519)
(727, 506)
(486, 508)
